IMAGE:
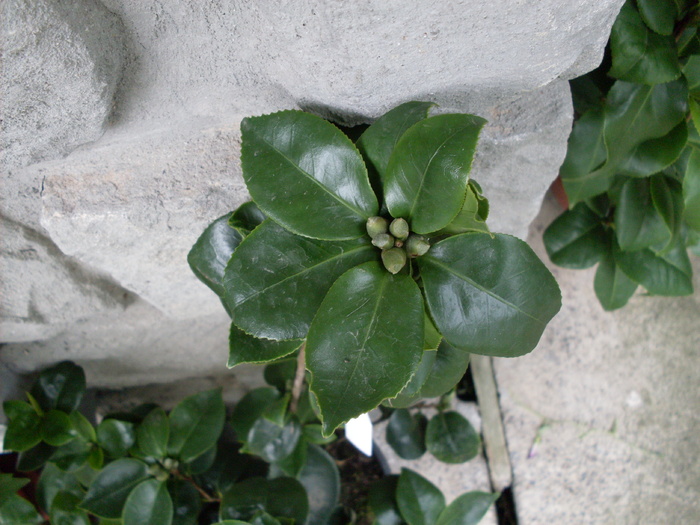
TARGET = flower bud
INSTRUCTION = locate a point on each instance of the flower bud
(416, 245)
(170, 463)
(394, 259)
(376, 226)
(399, 229)
(383, 241)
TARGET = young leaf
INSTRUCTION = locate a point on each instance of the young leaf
(639, 54)
(419, 501)
(321, 479)
(210, 254)
(405, 433)
(307, 175)
(110, 489)
(116, 437)
(659, 15)
(246, 218)
(691, 191)
(451, 438)
(250, 408)
(637, 223)
(490, 295)
(576, 239)
(244, 348)
(382, 501)
(149, 504)
(281, 497)
(56, 428)
(23, 430)
(379, 140)
(186, 502)
(467, 509)
(153, 433)
(426, 179)
(449, 367)
(612, 287)
(353, 342)
(65, 510)
(195, 424)
(276, 280)
(60, 387)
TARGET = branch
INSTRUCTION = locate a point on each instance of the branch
(298, 385)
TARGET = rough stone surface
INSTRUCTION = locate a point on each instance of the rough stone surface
(61, 63)
(602, 418)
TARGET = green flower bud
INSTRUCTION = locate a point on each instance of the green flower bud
(170, 463)
(383, 241)
(394, 259)
(416, 245)
(399, 229)
(376, 226)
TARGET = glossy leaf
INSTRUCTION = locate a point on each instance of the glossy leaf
(576, 239)
(667, 197)
(250, 408)
(691, 191)
(585, 153)
(280, 374)
(246, 218)
(186, 502)
(210, 254)
(71, 456)
(426, 178)
(65, 511)
(23, 430)
(382, 501)
(432, 336)
(467, 509)
(410, 393)
(321, 479)
(292, 464)
(52, 481)
(659, 15)
(468, 219)
(271, 441)
(449, 367)
(669, 274)
(195, 424)
(276, 280)
(280, 497)
(655, 155)
(419, 501)
(691, 70)
(405, 433)
(244, 348)
(82, 427)
(637, 223)
(116, 437)
(639, 54)
(307, 175)
(153, 433)
(490, 295)
(353, 342)
(60, 387)
(149, 504)
(451, 438)
(16, 510)
(110, 489)
(35, 457)
(612, 287)
(201, 463)
(379, 140)
(56, 428)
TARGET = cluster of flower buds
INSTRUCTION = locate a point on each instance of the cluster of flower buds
(396, 242)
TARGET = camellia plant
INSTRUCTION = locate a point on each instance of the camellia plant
(368, 258)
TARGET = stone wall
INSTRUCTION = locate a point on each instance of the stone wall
(120, 140)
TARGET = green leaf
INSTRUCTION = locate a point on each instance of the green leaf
(612, 287)
(468, 219)
(280, 374)
(467, 509)
(659, 15)
(307, 175)
(246, 218)
(280, 497)
(195, 424)
(276, 280)
(353, 342)
(640, 55)
(109, 491)
(56, 428)
(210, 254)
(585, 153)
(16, 510)
(576, 239)
(405, 433)
(691, 70)
(201, 463)
(490, 295)
(149, 504)
(244, 348)
(116, 437)
(451, 438)
(96, 457)
(23, 429)
(292, 464)
(52, 481)
(65, 511)
(9, 485)
(382, 501)
(271, 441)
(82, 427)
(186, 502)
(667, 197)
(655, 155)
(379, 140)
(321, 479)
(410, 393)
(449, 367)
(426, 178)
(60, 387)
(71, 456)
(669, 274)
(250, 408)
(153, 433)
(586, 94)
(637, 223)
(35, 457)
(419, 501)
(691, 191)
(432, 336)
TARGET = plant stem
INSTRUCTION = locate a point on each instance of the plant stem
(206, 497)
(298, 385)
